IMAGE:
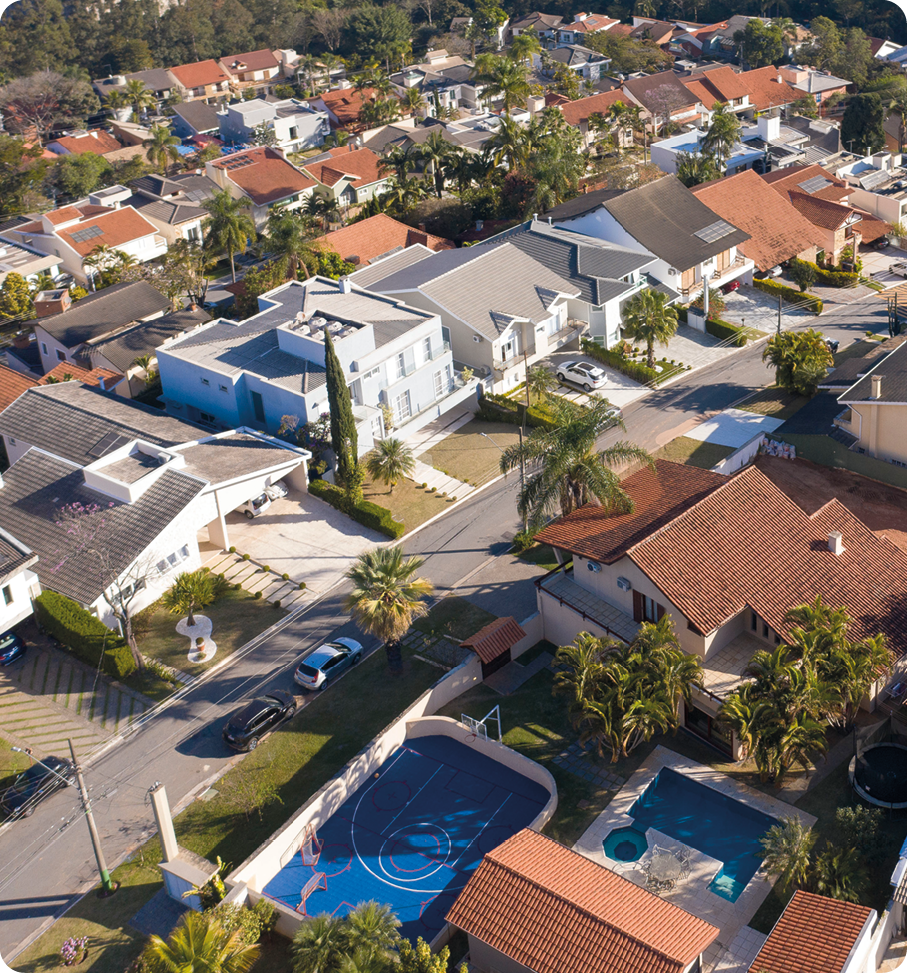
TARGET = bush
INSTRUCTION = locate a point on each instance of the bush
(522, 541)
(827, 278)
(302, 585)
(232, 550)
(502, 408)
(257, 595)
(635, 370)
(87, 637)
(364, 512)
(285, 576)
(266, 568)
(789, 294)
(246, 557)
(724, 330)
(276, 603)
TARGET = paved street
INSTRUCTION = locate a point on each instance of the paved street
(44, 861)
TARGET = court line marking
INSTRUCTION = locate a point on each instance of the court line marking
(436, 861)
(479, 835)
(413, 798)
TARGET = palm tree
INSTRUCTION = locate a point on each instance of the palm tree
(386, 596)
(291, 238)
(145, 363)
(401, 162)
(319, 945)
(375, 926)
(722, 134)
(539, 381)
(788, 847)
(745, 716)
(801, 740)
(800, 360)
(648, 318)
(841, 874)
(556, 170)
(523, 46)
(503, 78)
(200, 945)
(567, 471)
(510, 144)
(438, 154)
(401, 195)
(139, 96)
(308, 64)
(162, 147)
(391, 461)
(228, 228)
(412, 100)
(117, 100)
(190, 591)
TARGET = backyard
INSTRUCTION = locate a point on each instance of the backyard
(409, 503)
(683, 449)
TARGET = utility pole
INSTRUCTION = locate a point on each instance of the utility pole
(522, 476)
(779, 314)
(108, 886)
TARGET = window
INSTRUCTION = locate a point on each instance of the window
(207, 417)
(294, 133)
(258, 406)
(401, 365)
(44, 347)
(426, 348)
(372, 372)
(646, 609)
(7, 595)
(439, 384)
(206, 381)
(508, 349)
(193, 234)
(377, 427)
(403, 408)
(223, 388)
(12, 441)
(60, 355)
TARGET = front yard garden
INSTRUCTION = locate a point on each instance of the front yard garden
(468, 456)
(409, 504)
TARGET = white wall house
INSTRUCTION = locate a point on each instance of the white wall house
(295, 124)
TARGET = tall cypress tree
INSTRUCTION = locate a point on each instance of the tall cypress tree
(344, 441)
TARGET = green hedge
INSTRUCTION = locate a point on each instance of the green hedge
(86, 636)
(635, 370)
(365, 512)
(789, 294)
(829, 278)
(724, 330)
(502, 408)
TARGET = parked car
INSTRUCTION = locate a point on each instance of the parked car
(581, 373)
(775, 271)
(276, 491)
(326, 663)
(730, 286)
(614, 414)
(64, 280)
(38, 782)
(832, 344)
(248, 725)
(11, 648)
(256, 506)
(898, 267)
(882, 243)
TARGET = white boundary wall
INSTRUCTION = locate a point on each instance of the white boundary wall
(742, 457)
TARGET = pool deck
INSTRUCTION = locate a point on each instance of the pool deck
(737, 944)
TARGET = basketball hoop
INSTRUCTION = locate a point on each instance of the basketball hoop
(479, 728)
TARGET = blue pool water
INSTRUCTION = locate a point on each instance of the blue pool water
(705, 819)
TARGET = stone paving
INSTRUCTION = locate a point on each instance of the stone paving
(735, 957)
(585, 762)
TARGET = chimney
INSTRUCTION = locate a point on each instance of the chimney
(535, 217)
(346, 285)
(21, 340)
(836, 542)
(164, 820)
(101, 384)
(876, 387)
(52, 302)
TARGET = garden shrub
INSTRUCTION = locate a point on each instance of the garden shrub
(827, 277)
(724, 330)
(257, 595)
(364, 512)
(789, 294)
(635, 370)
(87, 637)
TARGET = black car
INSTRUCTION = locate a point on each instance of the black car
(38, 782)
(258, 717)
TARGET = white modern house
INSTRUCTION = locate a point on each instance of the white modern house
(256, 372)
(296, 124)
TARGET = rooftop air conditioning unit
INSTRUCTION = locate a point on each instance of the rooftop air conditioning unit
(594, 566)
(624, 584)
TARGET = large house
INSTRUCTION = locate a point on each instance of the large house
(255, 69)
(579, 113)
(255, 372)
(378, 236)
(667, 100)
(347, 175)
(159, 81)
(160, 481)
(174, 203)
(500, 309)
(583, 26)
(443, 80)
(690, 241)
(726, 559)
(296, 124)
(535, 906)
(202, 81)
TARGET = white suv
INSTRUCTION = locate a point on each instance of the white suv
(255, 507)
(582, 373)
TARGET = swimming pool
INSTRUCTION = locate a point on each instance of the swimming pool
(709, 821)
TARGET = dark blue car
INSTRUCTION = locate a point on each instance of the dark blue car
(11, 648)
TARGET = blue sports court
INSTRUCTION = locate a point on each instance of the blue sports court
(411, 835)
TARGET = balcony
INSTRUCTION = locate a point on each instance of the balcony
(437, 352)
(559, 585)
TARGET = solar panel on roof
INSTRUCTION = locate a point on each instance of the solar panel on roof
(80, 236)
(196, 195)
(714, 231)
(108, 442)
(814, 185)
(875, 179)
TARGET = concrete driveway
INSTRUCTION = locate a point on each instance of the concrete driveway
(753, 308)
(618, 389)
(303, 537)
(877, 262)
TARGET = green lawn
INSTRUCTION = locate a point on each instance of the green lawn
(409, 503)
(253, 800)
(856, 349)
(693, 452)
(237, 617)
(454, 618)
(540, 554)
(774, 402)
(469, 456)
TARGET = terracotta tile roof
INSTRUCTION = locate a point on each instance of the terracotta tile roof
(63, 215)
(266, 177)
(871, 227)
(766, 91)
(495, 638)
(658, 31)
(252, 61)
(345, 103)
(623, 29)
(723, 83)
(96, 140)
(821, 212)
(552, 910)
(700, 91)
(592, 23)
(659, 495)
(362, 164)
(362, 242)
(12, 385)
(199, 74)
(117, 227)
(578, 112)
(778, 231)
(76, 374)
(814, 935)
(793, 177)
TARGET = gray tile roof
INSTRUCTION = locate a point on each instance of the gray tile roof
(379, 269)
(893, 369)
(593, 265)
(237, 454)
(664, 216)
(157, 79)
(36, 488)
(145, 338)
(168, 212)
(14, 556)
(69, 419)
(484, 286)
(103, 312)
(586, 203)
(202, 117)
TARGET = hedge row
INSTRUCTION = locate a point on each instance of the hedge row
(829, 278)
(502, 408)
(87, 637)
(365, 512)
(789, 294)
(725, 330)
(635, 370)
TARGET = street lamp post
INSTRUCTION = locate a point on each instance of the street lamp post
(108, 886)
(522, 465)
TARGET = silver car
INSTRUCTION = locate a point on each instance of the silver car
(326, 663)
(898, 267)
(581, 373)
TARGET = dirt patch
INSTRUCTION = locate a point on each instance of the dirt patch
(880, 506)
